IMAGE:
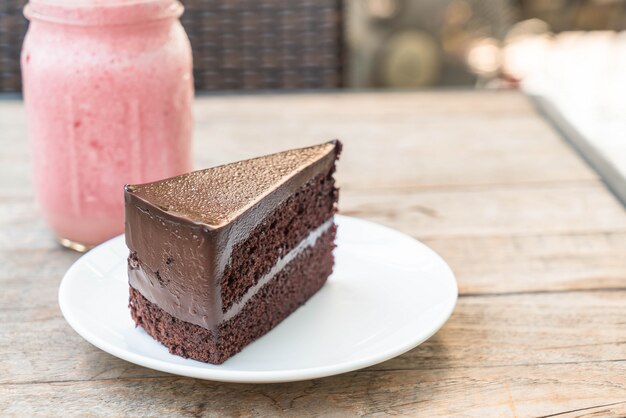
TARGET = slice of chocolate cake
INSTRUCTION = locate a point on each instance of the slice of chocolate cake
(218, 257)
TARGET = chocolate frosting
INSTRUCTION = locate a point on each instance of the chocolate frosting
(181, 230)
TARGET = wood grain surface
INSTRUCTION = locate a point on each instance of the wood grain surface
(537, 242)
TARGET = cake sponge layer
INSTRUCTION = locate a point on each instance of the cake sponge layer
(277, 235)
(288, 290)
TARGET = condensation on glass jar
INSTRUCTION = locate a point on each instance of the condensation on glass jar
(108, 91)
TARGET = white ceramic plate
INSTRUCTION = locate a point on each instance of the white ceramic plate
(388, 294)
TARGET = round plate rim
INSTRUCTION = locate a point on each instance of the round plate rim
(242, 376)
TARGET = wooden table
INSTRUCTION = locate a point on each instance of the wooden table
(537, 242)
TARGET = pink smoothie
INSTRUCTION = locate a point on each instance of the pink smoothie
(108, 91)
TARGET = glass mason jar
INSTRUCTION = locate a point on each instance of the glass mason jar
(108, 90)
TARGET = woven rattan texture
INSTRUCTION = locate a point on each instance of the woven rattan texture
(237, 44)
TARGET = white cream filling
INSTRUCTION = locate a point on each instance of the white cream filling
(307, 242)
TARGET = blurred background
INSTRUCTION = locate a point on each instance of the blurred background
(572, 52)
(270, 44)
(309, 44)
